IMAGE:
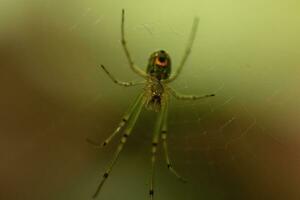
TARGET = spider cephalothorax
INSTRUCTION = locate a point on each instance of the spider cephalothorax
(155, 94)
(159, 65)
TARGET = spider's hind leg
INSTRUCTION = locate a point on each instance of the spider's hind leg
(132, 65)
(187, 51)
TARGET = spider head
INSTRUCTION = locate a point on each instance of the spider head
(159, 65)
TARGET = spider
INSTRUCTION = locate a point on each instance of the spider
(155, 97)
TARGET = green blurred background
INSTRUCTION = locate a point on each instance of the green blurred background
(241, 144)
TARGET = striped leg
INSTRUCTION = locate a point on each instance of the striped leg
(188, 97)
(132, 65)
(164, 131)
(155, 141)
(187, 51)
(131, 122)
(125, 119)
(121, 83)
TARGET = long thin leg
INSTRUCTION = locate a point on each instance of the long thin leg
(164, 131)
(123, 140)
(155, 141)
(124, 44)
(121, 83)
(188, 97)
(123, 122)
(187, 50)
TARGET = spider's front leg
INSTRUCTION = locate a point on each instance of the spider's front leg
(131, 122)
(155, 141)
(160, 129)
(126, 117)
(164, 131)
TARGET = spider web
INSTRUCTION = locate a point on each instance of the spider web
(241, 144)
(235, 130)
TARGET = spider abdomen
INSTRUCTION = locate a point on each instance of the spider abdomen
(159, 65)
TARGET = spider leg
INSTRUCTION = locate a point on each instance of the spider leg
(123, 122)
(187, 50)
(155, 140)
(127, 132)
(188, 97)
(121, 83)
(124, 44)
(164, 131)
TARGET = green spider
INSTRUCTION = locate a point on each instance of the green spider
(155, 97)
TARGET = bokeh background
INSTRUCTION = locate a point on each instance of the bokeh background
(241, 144)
